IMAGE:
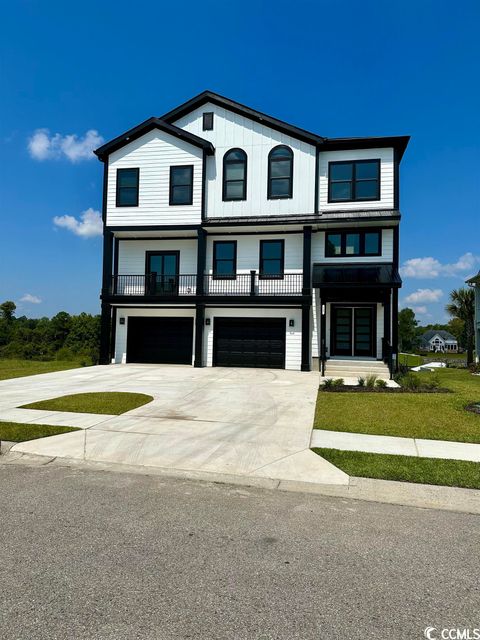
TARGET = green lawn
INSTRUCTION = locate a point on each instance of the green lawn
(438, 416)
(108, 402)
(410, 359)
(18, 432)
(452, 473)
(16, 368)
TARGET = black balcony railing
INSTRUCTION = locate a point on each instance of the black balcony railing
(243, 284)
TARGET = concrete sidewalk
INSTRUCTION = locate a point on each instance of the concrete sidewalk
(395, 446)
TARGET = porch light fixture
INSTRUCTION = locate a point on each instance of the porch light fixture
(323, 309)
(291, 323)
(122, 320)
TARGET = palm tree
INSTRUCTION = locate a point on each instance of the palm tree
(461, 305)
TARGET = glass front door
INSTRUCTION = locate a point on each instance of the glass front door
(352, 331)
(162, 273)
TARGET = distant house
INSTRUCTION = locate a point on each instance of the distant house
(475, 282)
(438, 341)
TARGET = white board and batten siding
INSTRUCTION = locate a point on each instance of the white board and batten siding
(293, 341)
(122, 329)
(231, 130)
(386, 178)
(154, 154)
(318, 249)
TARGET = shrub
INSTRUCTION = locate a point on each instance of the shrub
(338, 382)
(381, 384)
(361, 381)
(474, 368)
(333, 383)
(410, 381)
(432, 383)
(370, 381)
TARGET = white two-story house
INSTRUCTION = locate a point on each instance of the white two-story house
(234, 239)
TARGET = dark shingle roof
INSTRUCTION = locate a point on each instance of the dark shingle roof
(428, 335)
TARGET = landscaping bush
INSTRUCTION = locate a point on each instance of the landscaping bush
(370, 381)
(474, 368)
(361, 381)
(409, 381)
(381, 384)
(333, 383)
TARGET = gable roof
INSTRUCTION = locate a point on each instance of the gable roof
(152, 123)
(474, 279)
(428, 335)
(399, 143)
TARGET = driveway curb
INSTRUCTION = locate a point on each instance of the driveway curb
(386, 491)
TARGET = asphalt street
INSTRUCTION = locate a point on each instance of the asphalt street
(110, 556)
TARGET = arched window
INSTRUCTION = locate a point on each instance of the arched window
(235, 175)
(280, 172)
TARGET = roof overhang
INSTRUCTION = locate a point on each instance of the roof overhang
(152, 123)
(352, 275)
(474, 279)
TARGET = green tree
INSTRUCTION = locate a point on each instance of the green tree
(7, 310)
(407, 330)
(456, 327)
(462, 306)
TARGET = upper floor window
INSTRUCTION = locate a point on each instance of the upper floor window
(352, 243)
(280, 172)
(208, 121)
(225, 259)
(181, 184)
(352, 181)
(235, 175)
(272, 258)
(127, 187)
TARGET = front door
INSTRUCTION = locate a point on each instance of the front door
(352, 331)
(162, 273)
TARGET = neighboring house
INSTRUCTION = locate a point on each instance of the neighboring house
(438, 341)
(475, 282)
(234, 239)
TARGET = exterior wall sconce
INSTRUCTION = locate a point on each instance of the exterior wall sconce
(291, 323)
(122, 320)
(323, 309)
(207, 321)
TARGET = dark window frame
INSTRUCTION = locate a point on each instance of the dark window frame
(118, 187)
(343, 243)
(354, 180)
(172, 186)
(217, 276)
(224, 178)
(267, 276)
(270, 179)
(206, 116)
(160, 252)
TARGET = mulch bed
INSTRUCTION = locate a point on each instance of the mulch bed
(474, 408)
(356, 389)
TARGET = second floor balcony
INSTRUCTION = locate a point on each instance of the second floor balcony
(154, 285)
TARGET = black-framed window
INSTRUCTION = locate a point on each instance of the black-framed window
(127, 187)
(225, 259)
(353, 243)
(272, 258)
(181, 184)
(208, 121)
(354, 181)
(235, 175)
(280, 172)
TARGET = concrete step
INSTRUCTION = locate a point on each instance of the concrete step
(356, 368)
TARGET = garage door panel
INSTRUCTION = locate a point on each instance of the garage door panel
(249, 342)
(160, 340)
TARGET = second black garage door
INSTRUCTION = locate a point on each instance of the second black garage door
(249, 342)
(160, 340)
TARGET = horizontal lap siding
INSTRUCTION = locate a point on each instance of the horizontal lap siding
(318, 249)
(233, 130)
(386, 178)
(131, 255)
(293, 343)
(154, 153)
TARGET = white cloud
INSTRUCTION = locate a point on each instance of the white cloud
(45, 146)
(421, 310)
(424, 295)
(89, 225)
(28, 297)
(432, 268)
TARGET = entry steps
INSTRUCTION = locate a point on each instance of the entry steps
(350, 368)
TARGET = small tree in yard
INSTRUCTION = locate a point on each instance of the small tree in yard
(462, 306)
(407, 330)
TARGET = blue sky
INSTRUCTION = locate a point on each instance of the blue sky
(338, 69)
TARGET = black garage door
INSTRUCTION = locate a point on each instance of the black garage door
(249, 342)
(160, 340)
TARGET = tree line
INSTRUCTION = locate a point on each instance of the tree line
(63, 337)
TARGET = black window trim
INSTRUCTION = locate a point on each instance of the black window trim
(261, 274)
(161, 252)
(224, 179)
(170, 197)
(204, 118)
(270, 196)
(353, 180)
(117, 191)
(217, 276)
(343, 234)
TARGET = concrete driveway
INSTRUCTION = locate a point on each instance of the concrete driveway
(247, 422)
